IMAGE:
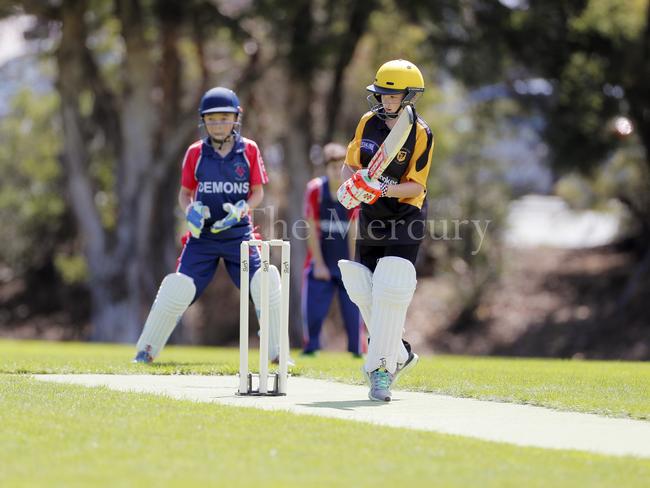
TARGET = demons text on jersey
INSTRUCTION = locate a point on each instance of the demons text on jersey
(226, 187)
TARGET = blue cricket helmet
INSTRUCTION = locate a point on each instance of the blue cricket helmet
(219, 100)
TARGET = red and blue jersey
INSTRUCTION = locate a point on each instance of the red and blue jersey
(332, 221)
(216, 180)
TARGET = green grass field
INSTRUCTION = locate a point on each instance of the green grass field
(64, 435)
(606, 387)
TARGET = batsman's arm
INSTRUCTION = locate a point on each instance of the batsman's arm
(353, 154)
(408, 189)
(347, 171)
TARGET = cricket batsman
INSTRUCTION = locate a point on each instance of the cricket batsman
(222, 179)
(391, 221)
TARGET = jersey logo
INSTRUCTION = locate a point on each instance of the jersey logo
(369, 145)
(240, 170)
(402, 155)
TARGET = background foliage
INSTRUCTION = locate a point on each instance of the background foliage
(97, 111)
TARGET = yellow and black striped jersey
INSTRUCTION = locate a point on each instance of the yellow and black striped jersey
(412, 163)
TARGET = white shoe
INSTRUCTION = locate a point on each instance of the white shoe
(402, 368)
(366, 375)
(290, 362)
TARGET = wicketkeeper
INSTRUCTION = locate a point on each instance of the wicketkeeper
(222, 179)
(391, 222)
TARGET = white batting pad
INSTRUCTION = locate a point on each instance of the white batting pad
(393, 285)
(175, 294)
(357, 280)
(275, 304)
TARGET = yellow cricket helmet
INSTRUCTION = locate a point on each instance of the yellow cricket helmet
(398, 76)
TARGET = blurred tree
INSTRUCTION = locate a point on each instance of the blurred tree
(469, 198)
(314, 39)
(583, 64)
(40, 269)
(596, 53)
(127, 102)
(588, 59)
(30, 191)
(593, 52)
(129, 78)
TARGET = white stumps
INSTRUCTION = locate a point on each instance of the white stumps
(284, 322)
(245, 377)
(264, 319)
(243, 318)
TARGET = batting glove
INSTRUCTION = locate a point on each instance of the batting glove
(346, 195)
(195, 214)
(366, 189)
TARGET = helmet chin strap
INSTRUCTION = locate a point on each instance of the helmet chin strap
(221, 142)
(233, 133)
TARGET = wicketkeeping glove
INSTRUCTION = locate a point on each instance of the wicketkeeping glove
(236, 212)
(196, 213)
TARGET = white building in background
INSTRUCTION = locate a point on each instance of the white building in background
(12, 41)
(536, 220)
(20, 65)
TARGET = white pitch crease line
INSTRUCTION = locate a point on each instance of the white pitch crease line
(522, 425)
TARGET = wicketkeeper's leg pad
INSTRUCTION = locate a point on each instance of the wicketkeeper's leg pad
(393, 285)
(175, 294)
(275, 304)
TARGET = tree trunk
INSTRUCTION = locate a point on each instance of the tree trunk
(297, 144)
(359, 14)
(115, 314)
(124, 264)
(298, 173)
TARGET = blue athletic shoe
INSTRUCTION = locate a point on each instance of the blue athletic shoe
(380, 381)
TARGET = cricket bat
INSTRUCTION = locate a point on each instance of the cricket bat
(392, 144)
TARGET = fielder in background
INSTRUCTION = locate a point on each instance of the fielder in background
(331, 238)
(391, 219)
(222, 178)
